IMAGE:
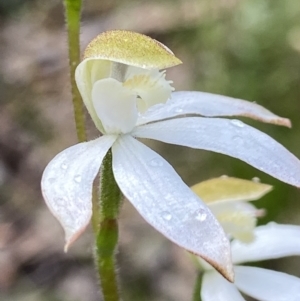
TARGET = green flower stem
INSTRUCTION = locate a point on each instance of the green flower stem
(197, 287)
(72, 11)
(107, 237)
(95, 216)
(105, 212)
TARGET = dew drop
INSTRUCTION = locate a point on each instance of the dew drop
(201, 215)
(51, 180)
(156, 162)
(225, 240)
(167, 215)
(168, 197)
(224, 177)
(77, 178)
(59, 201)
(64, 166)
(237, 123)
(271, 224)
(238, 139)
(256, 180)
(178, 110)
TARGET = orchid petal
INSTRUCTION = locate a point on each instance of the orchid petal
(229, 137)
(267, 285)
(87, 73)
(238, 219)
(164, 201)
(210, 105)
(224, 196)
(271, 241)
(228, 189)
(67, 184)
(150, 85)
(216, 288)
(115, 106)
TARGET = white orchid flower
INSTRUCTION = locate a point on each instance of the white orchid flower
(228, 199)
(128, 98)
(271, 241)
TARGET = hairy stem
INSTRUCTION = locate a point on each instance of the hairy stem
(105, 212)
(72, 12)
(107, 237)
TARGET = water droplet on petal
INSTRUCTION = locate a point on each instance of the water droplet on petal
(238, 139)
(237, 123)
(225, 240)
(167, 215)
(271, 224)
(64, 166)
(256, 180)
(169, 197)
(77, 178)
(201, 215)
(156, 162)
(59, 202)
(51, 180)
(178, 110)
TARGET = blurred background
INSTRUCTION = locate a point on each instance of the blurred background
(248, 49)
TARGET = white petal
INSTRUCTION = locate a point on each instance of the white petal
(271, 241)
(229, 137)
(267, 285)
(115, 106)
(158, 193)
(210, 105)
(87, 73)
(216, 288)
(67, 184)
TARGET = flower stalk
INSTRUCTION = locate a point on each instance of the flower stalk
(106, 211)
(110, 199)
(72, 12)
(197, 287)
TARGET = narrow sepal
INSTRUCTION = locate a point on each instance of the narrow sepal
(271, 241)
(229, 137)
(158, 193)
(210, 105)
(67, 184)
(267, 285)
